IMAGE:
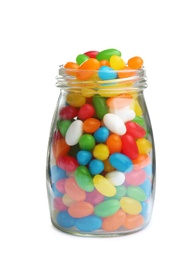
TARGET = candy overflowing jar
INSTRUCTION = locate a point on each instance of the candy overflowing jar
(101, 157)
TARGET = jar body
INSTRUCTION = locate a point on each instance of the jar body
(101, 163)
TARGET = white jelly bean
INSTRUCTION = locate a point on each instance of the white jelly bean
(74, 133)
(114, 123)
(125, 113)
(115, 177)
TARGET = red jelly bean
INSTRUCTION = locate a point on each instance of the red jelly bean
(68, 112)
(91, 54)
(135, 130)
(86, 111)
(67, 163)
(56, 136)
(129, 146)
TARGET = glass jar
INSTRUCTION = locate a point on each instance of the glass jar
(101, 156)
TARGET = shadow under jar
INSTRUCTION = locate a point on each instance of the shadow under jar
(101, 156)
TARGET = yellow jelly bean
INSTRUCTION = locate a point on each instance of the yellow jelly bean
(136, 107)
(75, 99)
(101, 152)
(144, 146)
(87, 92)
(116, 62)
(130, 206)
(104, 186)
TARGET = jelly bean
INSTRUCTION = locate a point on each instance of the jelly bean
(125, 114)
(107, 166)
(90, 125)
(73, 190)
(84, 179)
(88, 224)
(106, 54)
(113, 222)
(67, 163)
(125, 73)
(96, 166)
(139, 120)
(58, 204)
(116, 62)
(107, 208)
(87, 142)
(74, 132)
(114, 124)
(60, 185)
(129, 146)
(135, 63)
(121, 162)
(104, 63)
(74, 150)
(55, 192)
(57, 173)
(91, 54)
(87, 69)
(65, 220)
(135, 130)
(80, 209)
(120, 101)
(67, 200)
(57, 136)
(147, 188)
(145, 209)
(135, 177)
(114, 143)
(84, 157)
(120, 192)
(144, 146)
(130, 206)
(101, 134)
(100, 106)
(136, 107)
(115, 177)
(75, 99)
(71, 67)
(63, 126)
(86, 111)
(88, 92)
(148, 169)
(101, 152)
(104, 186)
(94, 197)
(81, 58)
(141, 161)
(136, 193)
(60, 147)
(106, 73)
(133, 222)
(68, 112)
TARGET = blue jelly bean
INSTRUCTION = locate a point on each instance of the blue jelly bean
(65, 220)
(147, 188)
(106, 73)
(121, 162)
(88, 224)
(101, 134)
(148, 170)
(96, 166)
(84, 157)
(57, 173)
(56, 193)
(144, 211)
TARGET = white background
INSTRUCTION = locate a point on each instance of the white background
(36, 37)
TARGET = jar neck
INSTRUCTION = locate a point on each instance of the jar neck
(136, 81)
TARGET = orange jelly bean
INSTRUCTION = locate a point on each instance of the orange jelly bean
(90, 125)
(135, 63)
(87, 69)
(133, 221)
(73, 190)
(80, 209)
(114, 143)
(71, 66)
(120, 101)
(104, 63)
(60, 147)
(113, 222)
(141, 161)
(125, 73)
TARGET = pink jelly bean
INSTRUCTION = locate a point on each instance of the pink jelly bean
(91, 54)
(129, 146)
(58, 204)
(60, 185)
(68, 112)
(135, 177)
(67, 163)
(94, 197)
(74, 191)
(86, 111)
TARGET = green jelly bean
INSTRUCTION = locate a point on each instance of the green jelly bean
(136, 193)
(81, 58)
(120, 192)
(84, 178)
(107, 208)
(63, 125)
(100, 106)
(106, 54)
(87, 142)
(139, 120)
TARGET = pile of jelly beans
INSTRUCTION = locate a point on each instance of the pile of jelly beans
(101, 176)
